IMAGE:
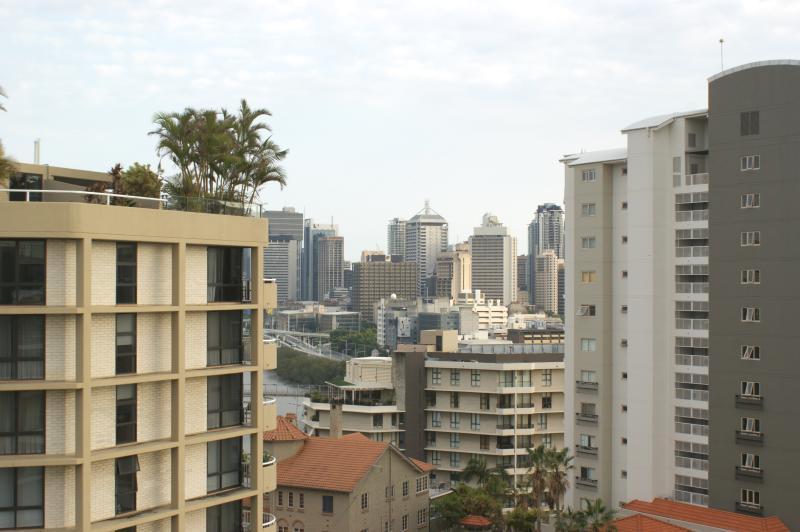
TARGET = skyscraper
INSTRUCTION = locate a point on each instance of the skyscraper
(379, 276)
(396, 238)
(546, 231)
(494, 260)
(311, 233)
(329, 257)
(282, 258)
(547, 281)
(426, 237)
(454, 272)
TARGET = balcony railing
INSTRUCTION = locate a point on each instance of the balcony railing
(267, 520)
(749, 472)
(691, 216)
(586, 418)
(697, 179)
(749, 436)
(586, 449)
(691, 288)
(750, 508)
(749, 400)
(691, 324)
(586, 482)
(587, 385)
(691, 251)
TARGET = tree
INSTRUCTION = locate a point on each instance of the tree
(570, 521)
(559, 464)
(523, 519)
(467, 500)
(4, 95)
(537, 473)
(140, 180)
(476, 468)
(7, 167)
(598, 517)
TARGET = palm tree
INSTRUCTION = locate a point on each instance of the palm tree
(6, 167)
(559, 464)
(537, 473)
(4, 95)
(570, 521)
(598, 517)
(476, 468)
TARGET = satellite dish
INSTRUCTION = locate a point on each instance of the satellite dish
(393, 296)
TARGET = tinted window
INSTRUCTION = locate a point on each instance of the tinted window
(225, 274)
(126, 272)
(22, 272)
(21, 347)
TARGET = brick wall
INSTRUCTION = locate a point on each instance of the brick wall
(154, 274)
(196, 407)
(60, 422)
(196, 521)
(153, 408)
(103, 490)
(153, 342)
(59, 498)
(196, 471)
(154, 480)
(61, 272)
(103, 428)
(59, 334)
(164, 525)
(196, 340)
(196, 275)
(104, 330)
(104, 273)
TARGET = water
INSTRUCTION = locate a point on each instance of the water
(286, 404)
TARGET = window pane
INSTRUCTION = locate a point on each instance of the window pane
(213, 457)
(31, 411)
(30, 518)
(6, 488)
(29, 486)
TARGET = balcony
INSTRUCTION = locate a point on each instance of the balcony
(691, 324)
(270, 360)
(749, 508)
(586, 418)
(268, 522)
(691, 251)
(749, 473)
(270, 294)
(586, 449)
(691, 288)
(749, 400)
(590, 483)
(691, 216)
(697, 179)
(746, 436)
(270, 413)
(588, 386)
(269, 472)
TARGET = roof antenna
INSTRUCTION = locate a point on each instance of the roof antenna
(721, 42)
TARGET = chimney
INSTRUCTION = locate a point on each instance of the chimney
(36, 145)
(336, 419)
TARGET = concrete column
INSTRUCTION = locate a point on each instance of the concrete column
(257, 381)
(83, 358)
(178, 473)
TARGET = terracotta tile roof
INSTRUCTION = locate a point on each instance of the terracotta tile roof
(642, 523)
(476, 521)
(424, 466)
(712, 517)
(284, 431)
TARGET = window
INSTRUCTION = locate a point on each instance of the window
(475, 422)
(588, 376)
(751, 424)
(547, 377)
(484, 401)
(436, 419)
(436, 458)
(364, 501)
(280, 498)
(455, 460)
(225, 274)
(291, 499)
(588, 441)
(624, 408)
(224, 401)
(751, 200)
(422, 516)
(455, 377)
(126, 273)
(588, 344)
(588, 176)
(484, 442)
(436, 376)
(749, 121)
(623, 309)
(543, 421)
(327, 504)
(475, 377)
(752, 314)
(21, 347)
(126, 413)
(751, 352)
(125, 485)
(751, 276)
(455, 420)
(588, 242)
(422, 483)
(547, 401)
(751, 461)
(751, 497)
(21, 422)
(624, 206)
(453, 399)
(404, 523)
(547, 440)
(751, 238)
(750, 162)
(225, 517)
(624, 274)
(588, 209)
(587, 473)
(224, 464)
(624, 441)
(624, 375)
(22, 272)
(22, 497)
(692, 140)
(588, 277)
(377, 421)
(623, 342)
(586, 310)
(750, 389)
(301, 500)
(25, 181)
(624, 239)
(405, 488)
(225, 338)
(126, 344)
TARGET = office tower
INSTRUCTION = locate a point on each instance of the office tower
(127, 356)
(396, 237)
(282, 258)
(329, 258)
(547, 281)
(311, 233)
(379, 277)
(754, 223)
(426, 238)
(637, 313)
(454, 272)
(494, 261)
(523, 277)
(546, 231)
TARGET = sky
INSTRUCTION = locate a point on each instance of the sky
(382, 104)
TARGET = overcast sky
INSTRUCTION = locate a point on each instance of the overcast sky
(382, 104)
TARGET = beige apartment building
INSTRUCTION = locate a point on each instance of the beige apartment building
(131, 362)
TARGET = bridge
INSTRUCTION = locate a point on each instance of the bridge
(305, 343)
(293, 390)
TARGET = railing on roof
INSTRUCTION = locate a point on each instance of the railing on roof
(165, 202)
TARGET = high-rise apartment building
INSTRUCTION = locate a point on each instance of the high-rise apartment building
(522, 273)
(546, 231)
(329, 268)
(396, 237)
(637, 313)
(379, 277)
(454, 272)
(282, 258)
(494, 260)
(753, 141)
(426, 238)
(547, 281)
(131, 363)
(310, 278)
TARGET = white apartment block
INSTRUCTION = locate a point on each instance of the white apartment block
(125, 355)
(547, 281)
(637, 319)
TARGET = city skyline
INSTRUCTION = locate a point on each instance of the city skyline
(398, 84)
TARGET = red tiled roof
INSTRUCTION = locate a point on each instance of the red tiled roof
(424, 466)
(284, 431)
(642, 523)
(476, 521)
(712, 517)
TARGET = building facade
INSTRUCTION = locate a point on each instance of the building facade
(379, 277)
(396, 238)
(282, 258)
(310, 278)
(546, 231)
(494, 260)
(547, 281)
(126, 363)
(329, 270)
(454, 272)
(426, 238)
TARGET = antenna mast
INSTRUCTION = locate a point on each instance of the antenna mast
(721, 63)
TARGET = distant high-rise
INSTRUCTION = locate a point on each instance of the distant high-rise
(494, 261)
(282, 258)
(329, 257)
(379, 276)
(311, 233)
(454, 272)
(426, 238)
(562, 279)
(547, 281)
(523, 276)
(396, 238)
(546, 231)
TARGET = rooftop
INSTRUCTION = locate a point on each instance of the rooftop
(655, 122)
(698, 515)
(642, 523)
(427, 215)
(284, 431)
(756, 64)
(600, 156)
